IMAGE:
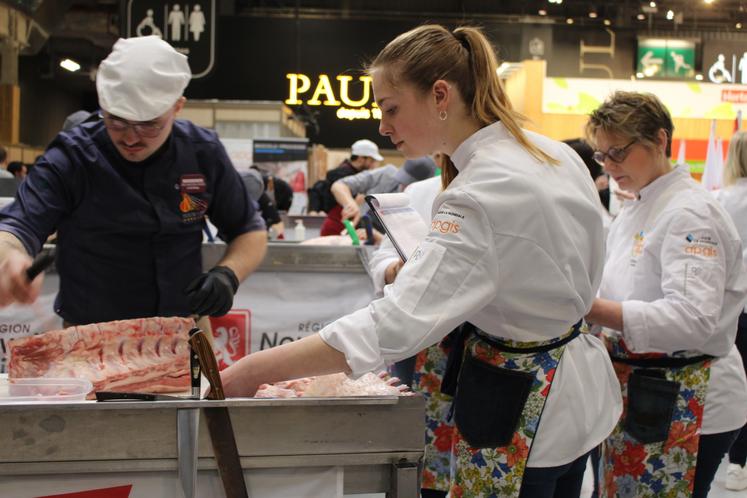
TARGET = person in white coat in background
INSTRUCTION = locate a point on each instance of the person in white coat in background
(423, 372)
(734, 199)
(671, 294)
(515, 248)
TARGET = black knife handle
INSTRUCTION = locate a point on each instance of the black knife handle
(41, 263)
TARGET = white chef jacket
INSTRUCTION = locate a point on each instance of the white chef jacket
(421, 195)
(516, 248)
(734, 201)
(674, 261)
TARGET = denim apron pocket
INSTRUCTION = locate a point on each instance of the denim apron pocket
(489, 402)
(651, 402)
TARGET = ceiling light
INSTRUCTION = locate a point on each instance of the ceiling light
(652, 5)
(639, 75)
(708, 1)
(569, 21)
(593, 14)
(70, 65)
(670, 15)
(542, 12)
(699, 77)
(641, 17)
(607, 22)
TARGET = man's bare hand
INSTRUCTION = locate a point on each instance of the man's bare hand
(351, 212)
(14, 285)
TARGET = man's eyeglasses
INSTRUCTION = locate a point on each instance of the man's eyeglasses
(616, 154)
(147, 130)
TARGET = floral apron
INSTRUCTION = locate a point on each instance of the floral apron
(500, 396)
(430, 365)
(653, 450)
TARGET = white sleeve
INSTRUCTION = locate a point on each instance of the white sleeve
(384, 256)
(452, 275)
(693, 279)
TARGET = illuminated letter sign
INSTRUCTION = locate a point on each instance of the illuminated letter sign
(344, 81)
(324, 87)
(295, 88)
(347, 107)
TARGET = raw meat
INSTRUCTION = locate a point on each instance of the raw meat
(140, 355)
(334, 385)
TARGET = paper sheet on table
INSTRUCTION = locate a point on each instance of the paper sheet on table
(402, 223)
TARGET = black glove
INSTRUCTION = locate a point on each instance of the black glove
(212, 293)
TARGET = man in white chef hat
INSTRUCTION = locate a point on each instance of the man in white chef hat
(128, 195)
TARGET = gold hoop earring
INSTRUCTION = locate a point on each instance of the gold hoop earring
(442, 115)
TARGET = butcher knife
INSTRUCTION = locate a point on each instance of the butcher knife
(41, 263)
(218, 421)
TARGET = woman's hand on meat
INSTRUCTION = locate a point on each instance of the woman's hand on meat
(237, 379)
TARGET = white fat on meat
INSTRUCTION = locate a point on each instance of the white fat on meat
(334, 385)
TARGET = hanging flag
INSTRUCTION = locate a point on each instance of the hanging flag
(719, 164)
(681, 155)
(712, 172)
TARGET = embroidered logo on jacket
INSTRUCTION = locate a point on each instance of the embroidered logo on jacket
(192, 183)
(638, 244)
(445, 226)
(703, 246)
(192, 208)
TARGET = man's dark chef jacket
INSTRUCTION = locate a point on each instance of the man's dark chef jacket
(129, 234)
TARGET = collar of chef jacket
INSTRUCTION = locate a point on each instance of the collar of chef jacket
(490, 133)
(656, 187)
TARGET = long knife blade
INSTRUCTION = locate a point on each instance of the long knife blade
(218, 421)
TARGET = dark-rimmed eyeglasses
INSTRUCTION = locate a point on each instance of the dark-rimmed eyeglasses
(118, 125)
(616, 154)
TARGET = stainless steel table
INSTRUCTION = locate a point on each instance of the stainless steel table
(378, 441)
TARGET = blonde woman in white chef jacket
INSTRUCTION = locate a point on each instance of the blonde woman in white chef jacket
(515, 248)
(734, 199)
(672, 291)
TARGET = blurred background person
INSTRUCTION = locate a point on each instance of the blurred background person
(733, 197)
(18, 170)
(384, 180)
(425, 371)
(364, 155)
(586, 153)
(4, 173)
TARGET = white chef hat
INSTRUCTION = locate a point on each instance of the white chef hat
(141, 78)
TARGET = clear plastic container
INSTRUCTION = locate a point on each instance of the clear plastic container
(43, 390)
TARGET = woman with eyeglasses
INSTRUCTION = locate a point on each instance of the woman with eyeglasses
(672, 290)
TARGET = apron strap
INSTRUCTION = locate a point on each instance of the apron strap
(663, 362)
(456, 355)
(454, 360)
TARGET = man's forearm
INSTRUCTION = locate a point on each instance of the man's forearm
(245, 253)
(342, 193)
(9, 242)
